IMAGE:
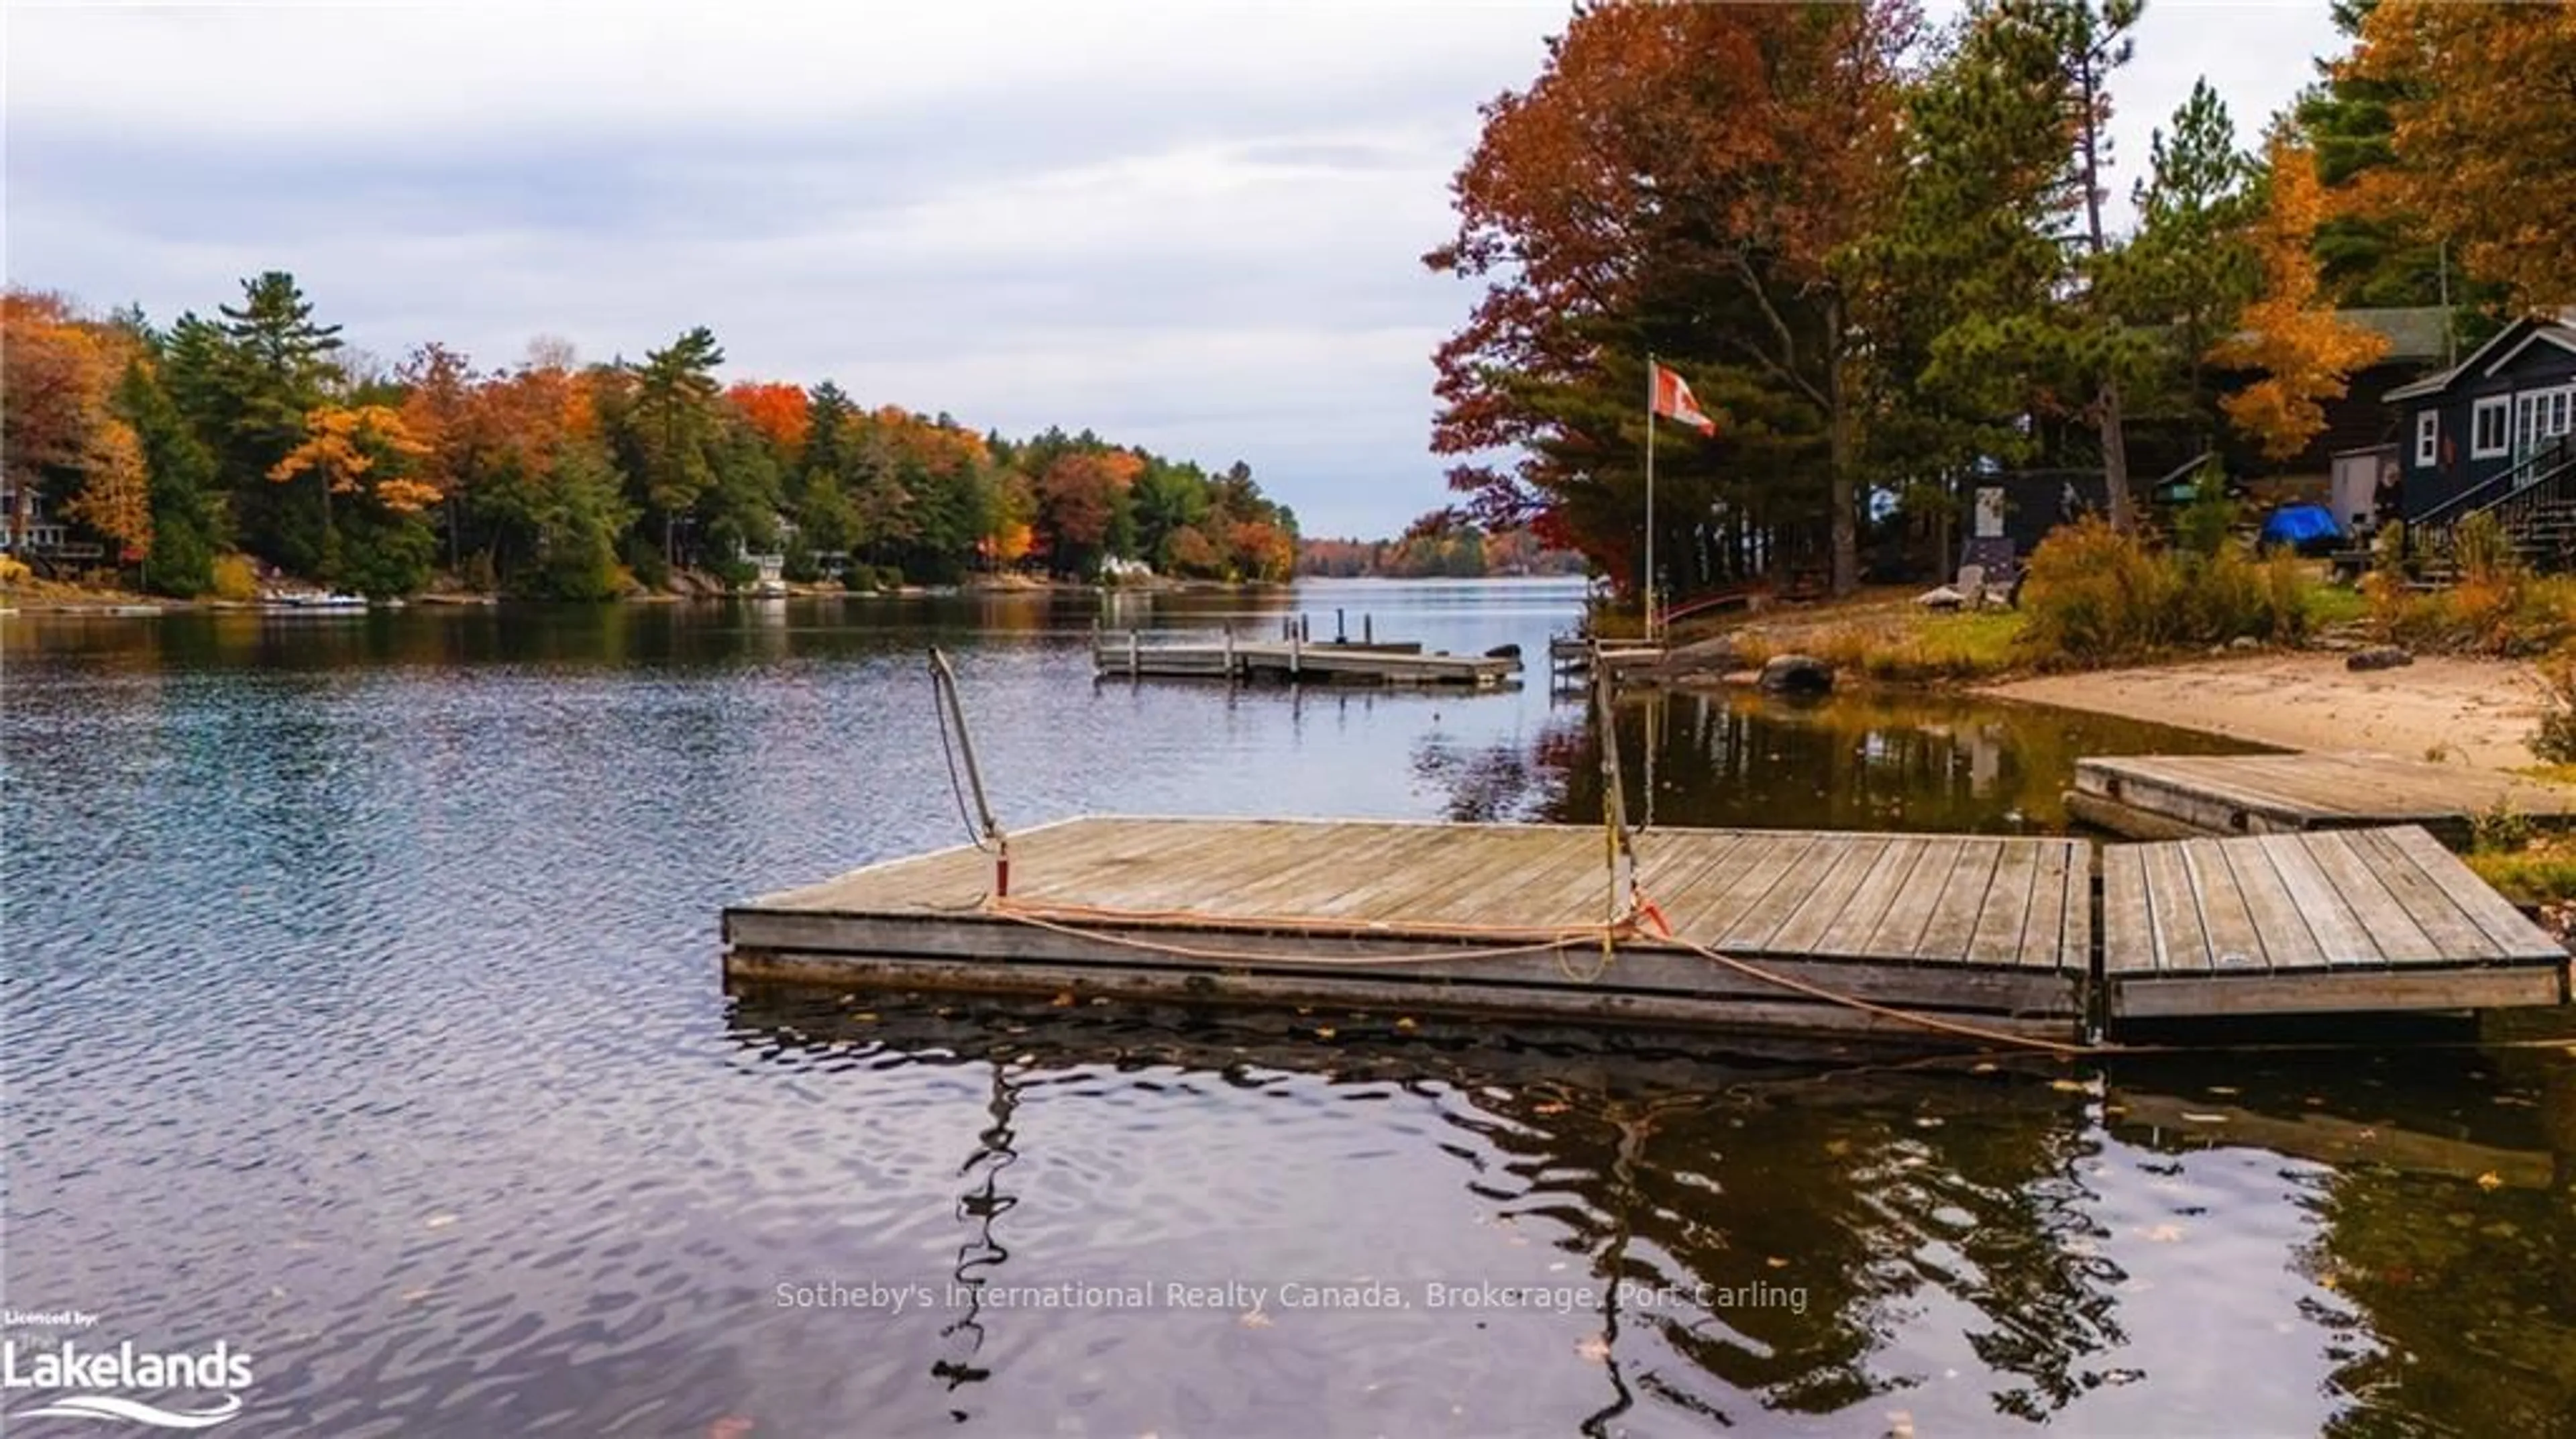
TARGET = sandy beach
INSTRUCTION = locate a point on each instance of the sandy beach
(2479, 712)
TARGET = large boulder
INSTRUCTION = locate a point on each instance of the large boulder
(2377, 657)
(1797, 675)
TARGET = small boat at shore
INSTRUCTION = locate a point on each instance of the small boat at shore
(316, 600)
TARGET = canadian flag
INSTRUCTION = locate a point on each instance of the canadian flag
(1673, 400)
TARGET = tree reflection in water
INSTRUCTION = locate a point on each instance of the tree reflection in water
(1866, 761)
(1957, 1230)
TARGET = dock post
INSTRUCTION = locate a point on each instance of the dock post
(1368, 629)
(1135, 656)
(1229, 654)
(1296, 639)
(1341, 636)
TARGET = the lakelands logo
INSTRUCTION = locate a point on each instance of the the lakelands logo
(80, 1368)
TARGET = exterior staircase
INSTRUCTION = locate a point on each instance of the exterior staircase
(2534, 503)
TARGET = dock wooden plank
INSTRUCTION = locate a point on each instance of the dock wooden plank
(1961, 903)
(2005, 918)
(2128, 920)
(2454, 935)
(1832, 893)
(1423, 872)
(2357, 882)
(2234, 941)
(1151, 875)
(2331, 991)
(2060, 886)
(2514, 935)
(1909, 913)
(1479, 880)
(1754, 925)
(1289, 868)
(2288, 941)
(1850, 931)
(1712, 906)
(2341, 936)
(2077, 940)
(2173, 909)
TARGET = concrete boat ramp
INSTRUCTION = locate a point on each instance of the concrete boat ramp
(1968, 939)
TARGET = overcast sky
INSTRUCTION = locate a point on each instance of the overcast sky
(1195, 227)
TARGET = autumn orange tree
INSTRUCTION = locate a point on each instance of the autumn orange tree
(2481, 133)
(1681, 180)
(2304, 352)
(67, 444)
(379, 542)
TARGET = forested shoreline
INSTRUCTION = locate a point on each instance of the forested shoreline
(1879, 253)
(195, 458)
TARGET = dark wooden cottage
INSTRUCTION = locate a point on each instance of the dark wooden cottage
(2514, 396)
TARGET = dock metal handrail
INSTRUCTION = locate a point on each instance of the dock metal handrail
(952, 710)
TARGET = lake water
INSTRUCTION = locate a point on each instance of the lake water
(363, 1012)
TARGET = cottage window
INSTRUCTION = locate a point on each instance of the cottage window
(2491, 428)
(2428, 438)
(2542, 415)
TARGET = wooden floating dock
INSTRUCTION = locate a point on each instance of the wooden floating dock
(2177, 796)
(1444, 918)
(1137, 656)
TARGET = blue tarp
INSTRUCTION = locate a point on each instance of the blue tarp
(2302, 527)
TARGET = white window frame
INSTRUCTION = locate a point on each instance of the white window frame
(2501, 407)
(2428, 439)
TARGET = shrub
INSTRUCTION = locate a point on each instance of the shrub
(2204, 525)
(2096, 596)
(2555, 741)
(2484, 553)
(12, 572)
(235, 579)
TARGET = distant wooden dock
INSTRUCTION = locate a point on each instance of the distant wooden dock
(1765, 929)
(2178, 796)
(1136, 655)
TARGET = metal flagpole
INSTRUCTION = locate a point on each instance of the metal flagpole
(1651, 388)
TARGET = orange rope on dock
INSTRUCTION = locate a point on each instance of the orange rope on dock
(1028, 915)
(1074, 919)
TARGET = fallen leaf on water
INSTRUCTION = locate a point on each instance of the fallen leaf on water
(1062, 1001)
(1594, 1348)
(2490, 1181)
(1325, 1031)
(2197, 1117)
(864, 1016)
(732, 1426)
(2224, 1089)
(438, 1221)
(1988, 1068)
(1776, 1262)
(414, 1296)
(1407, 1025)
(2070, 1086)
(2164, 1233)
(1253, 1319)
(1838, 1147)
(1551, 1107)
(1927, 1121)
